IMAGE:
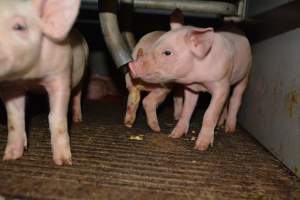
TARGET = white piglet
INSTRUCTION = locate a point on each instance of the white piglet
(37, 52)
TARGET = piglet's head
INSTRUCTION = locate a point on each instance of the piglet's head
(25, 25)
(144, 67)
(175, 56)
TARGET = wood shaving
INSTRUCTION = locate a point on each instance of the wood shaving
(136, 137)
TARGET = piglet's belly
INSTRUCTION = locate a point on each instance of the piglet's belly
(32, 86)
(197, 87)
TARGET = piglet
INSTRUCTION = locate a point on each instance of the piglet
(38, 53)
(203, 61)
(157, 92)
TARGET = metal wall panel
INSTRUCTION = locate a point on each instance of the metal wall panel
(256, 7)
(271, 105)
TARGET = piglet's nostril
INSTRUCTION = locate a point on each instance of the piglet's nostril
(140, 53)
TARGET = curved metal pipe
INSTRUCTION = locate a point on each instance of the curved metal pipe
(111, 32)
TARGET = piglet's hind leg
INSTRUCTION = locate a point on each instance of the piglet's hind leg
(150, 103)
(234, 105)
(210, 119)
(182, 126)
(178, 105)
(76, 105)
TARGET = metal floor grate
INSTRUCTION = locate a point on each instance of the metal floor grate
(108, 165)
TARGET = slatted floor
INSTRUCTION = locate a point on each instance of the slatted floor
(108, 165)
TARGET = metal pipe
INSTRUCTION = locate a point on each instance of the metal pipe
(130, 39)
(126, 19)
(192, 6)
(111, 32)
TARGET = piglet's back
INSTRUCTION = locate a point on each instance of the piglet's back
(242, 56)
(80, 52)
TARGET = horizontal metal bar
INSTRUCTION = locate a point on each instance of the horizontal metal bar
(193, 6)
(168, 12)
(87, 21)
(89, 4)
(89, 1)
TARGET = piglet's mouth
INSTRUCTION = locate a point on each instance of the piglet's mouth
(153, 78)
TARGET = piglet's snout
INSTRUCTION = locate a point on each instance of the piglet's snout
(5, 60)
(2, 55)
(133, 66)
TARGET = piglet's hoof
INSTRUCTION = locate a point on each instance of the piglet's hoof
(67, 161)
(13, 153)
(177, 116)
(128, 121)
(61, 153)
(203, 141)
(62, 158)
(77, 117)
(15, 148)
(177, 133)
(154, 126)
(230, 128)
(128, 125)
(180, 130)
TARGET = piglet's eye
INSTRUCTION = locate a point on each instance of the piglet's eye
(19, 27)
(167, 53)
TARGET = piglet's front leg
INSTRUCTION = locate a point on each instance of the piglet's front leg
(178, 105)
(133, 101)
(58, 89)
(15, 108)
(211, 116)
(182, 126)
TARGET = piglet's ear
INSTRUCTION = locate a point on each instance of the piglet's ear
(57, 16)
(176, 19)
(200, 41)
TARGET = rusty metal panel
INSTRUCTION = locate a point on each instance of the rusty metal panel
(271, 106)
